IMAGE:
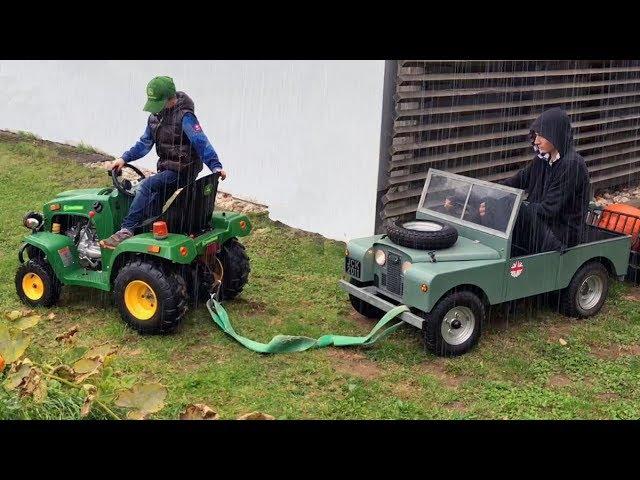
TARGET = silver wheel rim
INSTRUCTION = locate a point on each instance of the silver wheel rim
(590, 292)
(458, 325)
(423, 226)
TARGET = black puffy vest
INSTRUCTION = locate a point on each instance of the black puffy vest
(172, 145)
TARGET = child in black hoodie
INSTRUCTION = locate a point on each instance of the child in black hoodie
(558, 188)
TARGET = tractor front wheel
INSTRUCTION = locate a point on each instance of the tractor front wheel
(37, 284)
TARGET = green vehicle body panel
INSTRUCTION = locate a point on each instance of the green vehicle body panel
(480, 259)
(225, 225)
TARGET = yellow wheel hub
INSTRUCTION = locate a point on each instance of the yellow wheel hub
(33, 286)
(140, 300)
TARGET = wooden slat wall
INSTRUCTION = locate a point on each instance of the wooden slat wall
(473, 118)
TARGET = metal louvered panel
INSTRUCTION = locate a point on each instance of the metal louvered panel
(473, 118)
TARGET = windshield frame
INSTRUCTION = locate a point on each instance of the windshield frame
(472, 181)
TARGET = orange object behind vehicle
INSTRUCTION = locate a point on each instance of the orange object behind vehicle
(622, 219)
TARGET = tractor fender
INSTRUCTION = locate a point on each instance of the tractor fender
(59, 250)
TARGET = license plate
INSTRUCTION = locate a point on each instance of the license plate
(352, 267)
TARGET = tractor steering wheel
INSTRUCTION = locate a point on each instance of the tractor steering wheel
(124, 186)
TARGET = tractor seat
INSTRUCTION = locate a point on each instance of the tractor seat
(190, 210)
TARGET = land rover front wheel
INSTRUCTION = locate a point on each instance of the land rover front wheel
(454, 325)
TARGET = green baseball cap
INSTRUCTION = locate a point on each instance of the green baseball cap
(159, 90)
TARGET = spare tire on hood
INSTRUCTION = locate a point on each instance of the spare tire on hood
(422, 234)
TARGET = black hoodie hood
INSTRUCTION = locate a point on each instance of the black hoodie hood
(555, 126)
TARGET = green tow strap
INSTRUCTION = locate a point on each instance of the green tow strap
(292, 343)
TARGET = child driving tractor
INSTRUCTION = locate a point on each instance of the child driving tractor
(182, 148)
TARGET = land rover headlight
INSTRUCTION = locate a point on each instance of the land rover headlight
(381, 257)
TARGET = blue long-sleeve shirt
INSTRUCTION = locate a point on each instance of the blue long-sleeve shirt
(192, 130)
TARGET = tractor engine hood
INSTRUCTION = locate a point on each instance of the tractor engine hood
(77, 193)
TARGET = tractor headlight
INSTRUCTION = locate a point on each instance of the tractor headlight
(381, 257)
(33, 221)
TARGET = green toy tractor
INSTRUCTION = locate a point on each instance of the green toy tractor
(181, 257)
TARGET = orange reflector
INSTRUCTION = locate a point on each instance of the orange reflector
(424, 287)
(243, 224)
(160, 230)
(183, 251)
(55, 206)
(153, 248)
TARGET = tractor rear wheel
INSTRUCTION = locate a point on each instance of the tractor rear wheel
(151, 297)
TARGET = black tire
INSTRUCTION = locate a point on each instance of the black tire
(434, 340)
(170, 291)
(572, 301)
(445, 237)
(200, 281)
(362, 307)
(51, 286)
(235, 263)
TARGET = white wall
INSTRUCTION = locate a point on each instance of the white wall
(299, 136)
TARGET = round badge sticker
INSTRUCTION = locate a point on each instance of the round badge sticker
(516, 269)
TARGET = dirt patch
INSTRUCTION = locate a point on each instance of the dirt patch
(559, 380)
(633, 295)
(254, 306)
(437, 369)
(296, 232)
(604, 397)
(225, 201)
(131, 353)
(611, 352)
(355, 364)
(457, 407)
(68, 151)
(406, 390)
(361, 319)
(558, 333)
(191, 358)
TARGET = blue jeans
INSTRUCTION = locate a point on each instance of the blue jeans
(152, 195)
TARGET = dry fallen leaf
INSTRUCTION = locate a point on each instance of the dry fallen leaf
(86, 365)
(101, 351)
(27, 322)
(136, 415)
(64, 371)
(92, 393)
(68, 336)
(256, 416)
(144, 399)
(13, 343)
(563, 342)
(33, 385)
(198, 411)
(51, 316)
(82, 378)
(17, 373)
(13, 315)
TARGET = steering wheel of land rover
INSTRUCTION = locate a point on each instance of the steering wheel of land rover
(124, 186)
